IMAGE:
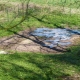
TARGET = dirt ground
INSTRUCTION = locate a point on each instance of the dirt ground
(24, 42)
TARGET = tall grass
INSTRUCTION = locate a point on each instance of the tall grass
(38, 16)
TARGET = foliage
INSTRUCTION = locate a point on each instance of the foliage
(37, 66)
(37, 17)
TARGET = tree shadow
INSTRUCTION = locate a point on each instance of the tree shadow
(15, 71)
(35, 39)
(68, 57)
(40, 70)
(48, 73)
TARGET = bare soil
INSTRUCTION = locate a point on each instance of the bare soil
(24, 42)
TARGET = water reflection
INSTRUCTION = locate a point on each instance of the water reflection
(56, 36)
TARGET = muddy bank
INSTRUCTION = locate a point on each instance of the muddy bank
(25, 42)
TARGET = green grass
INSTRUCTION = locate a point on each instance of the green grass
(38, 17)
(37, 66)
(29, 66)
(69, 3)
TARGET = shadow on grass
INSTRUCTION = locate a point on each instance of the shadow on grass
(29, 66)
(20, 73)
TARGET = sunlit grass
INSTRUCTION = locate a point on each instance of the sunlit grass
(39, 66)
(69, 3)
(38, 17)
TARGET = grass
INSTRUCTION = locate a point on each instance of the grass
(38, 17)
(29, 66)
(37, 66)
(68, 3)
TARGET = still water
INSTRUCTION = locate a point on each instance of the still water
(54, 37)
